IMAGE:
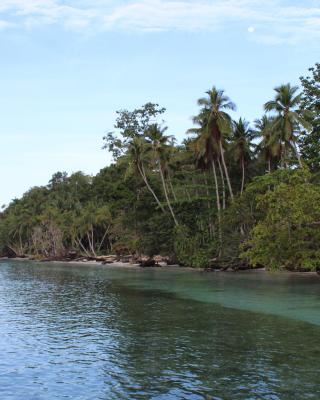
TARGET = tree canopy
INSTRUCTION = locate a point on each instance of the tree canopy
(232, 194)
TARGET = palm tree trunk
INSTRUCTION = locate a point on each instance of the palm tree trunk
(206, 186)
(225, 169)
(218, 202)
(91, 244)
(143, 174)
(172, 190)
(242, 183)
(20, 241)
(223, 186)
(216, 186)
(167, 197)
(82, 246)
(209, 205)
(92, 237)
(103, 238)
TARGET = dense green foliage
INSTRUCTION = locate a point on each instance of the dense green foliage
(310, 142)
(230, 195)
(288, 234)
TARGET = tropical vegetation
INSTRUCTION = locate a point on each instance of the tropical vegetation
(230, 195)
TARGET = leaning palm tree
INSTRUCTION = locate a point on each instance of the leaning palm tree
(159, 145)
(289, 118)
(241, 143)
(137, 156)
(219, 122)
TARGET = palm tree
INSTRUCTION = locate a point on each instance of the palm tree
(289, 118)
(241, 145)
(160, 148)
(206, 149)
(219, 122)
(137, 155)
(270, 144)
(207, 155)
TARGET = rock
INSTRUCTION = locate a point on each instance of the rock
(72, 255)
(171, 260)
(126, 259)
(159, 259)
(107, 262)
(148, 263)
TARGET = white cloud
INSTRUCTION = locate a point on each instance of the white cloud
(5, 24)
(274, 21)
(181, 15)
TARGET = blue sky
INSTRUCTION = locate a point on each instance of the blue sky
(67, 66)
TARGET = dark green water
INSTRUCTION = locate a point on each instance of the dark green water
(100, 333)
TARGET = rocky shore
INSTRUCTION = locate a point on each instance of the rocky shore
(143, 261)
(116, 260)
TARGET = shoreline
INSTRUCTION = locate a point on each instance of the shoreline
(116, 264)
(122, 265)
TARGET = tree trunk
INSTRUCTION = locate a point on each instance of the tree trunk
(207, 187)
(91, 244)
(20, 241)
(225, 169)
(103, 238)
(269, 164)
(209, 204)
(143, 174)
(223, 186)
(82, 246)
(92, 241)
(172, 190)
(216, 186)
(167, 197)
(218, 202)
(242, 183)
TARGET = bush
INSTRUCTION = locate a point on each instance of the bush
(192, 250)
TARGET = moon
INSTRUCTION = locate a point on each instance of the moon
(251, 29)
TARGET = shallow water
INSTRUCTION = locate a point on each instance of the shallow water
(82, 332)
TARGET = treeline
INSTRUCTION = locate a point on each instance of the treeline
(232, 194)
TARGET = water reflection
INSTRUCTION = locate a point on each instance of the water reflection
(92, 333)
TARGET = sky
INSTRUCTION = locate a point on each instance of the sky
(67, 66)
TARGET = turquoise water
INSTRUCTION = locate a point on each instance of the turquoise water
(79, 332)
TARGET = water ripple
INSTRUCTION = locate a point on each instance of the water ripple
(85, 333)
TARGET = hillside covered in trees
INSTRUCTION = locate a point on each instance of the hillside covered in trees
(232, 194)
